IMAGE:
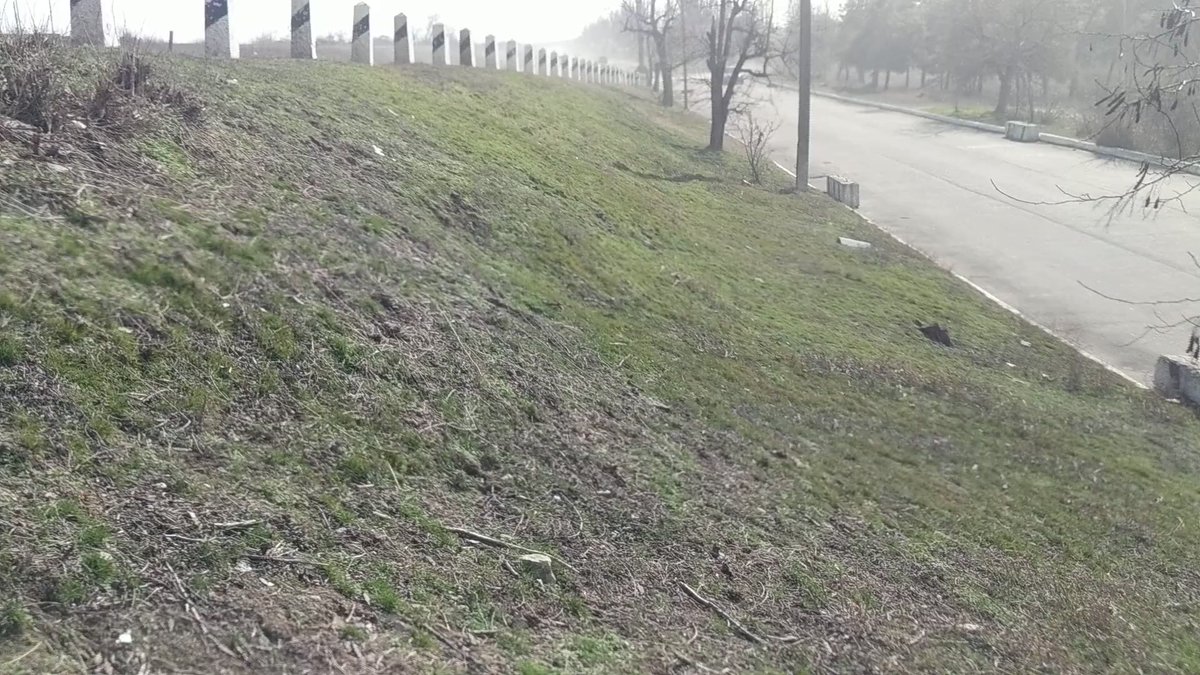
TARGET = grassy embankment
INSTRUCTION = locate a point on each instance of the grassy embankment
(252, 369)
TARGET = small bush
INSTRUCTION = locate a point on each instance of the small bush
(10, 351)
(756, 140)
(31, 90)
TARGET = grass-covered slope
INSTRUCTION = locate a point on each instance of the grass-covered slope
(266, 341)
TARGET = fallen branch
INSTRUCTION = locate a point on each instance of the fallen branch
(20, 658)
(732, 622)
(697, 665)
(484, 539)
(286, 561)
(237, 525)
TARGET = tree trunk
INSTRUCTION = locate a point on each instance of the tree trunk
(720, 115)
(907, 78)
(1006, 84)
(664, 65)
(887, 82)
(875, 79)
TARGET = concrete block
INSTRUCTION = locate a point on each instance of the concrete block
(218, 41)
(1022, 132)
(543, 64)
(489, 52)
(466, 49)
(303, 45)
(528, 67)
(361, 49)
(853, 243)
(439, 44)
(87, 23)
(842, 190)
(510, 56)
(1178, 377)
(404, 46)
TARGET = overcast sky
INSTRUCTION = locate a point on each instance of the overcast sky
(522, 20)
(531, 20)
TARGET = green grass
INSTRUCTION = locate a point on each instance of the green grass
(525, 320)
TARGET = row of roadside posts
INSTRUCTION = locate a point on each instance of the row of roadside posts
(87, 27)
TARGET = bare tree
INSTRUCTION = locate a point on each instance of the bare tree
(755, 136)
(1158, 99)
(739, 40)
(653, 19)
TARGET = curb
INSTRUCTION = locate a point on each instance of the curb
(1050, 139)
(945, 119)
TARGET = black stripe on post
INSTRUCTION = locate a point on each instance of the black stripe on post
(490, 50)
(75, 2)
(512, 54)
(439, 41)
(362, 27)
(302, 17)
(214, 11)
(402, 32)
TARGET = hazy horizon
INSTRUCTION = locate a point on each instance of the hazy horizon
(529, 20)
(525, 21)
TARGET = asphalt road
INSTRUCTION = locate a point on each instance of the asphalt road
(976, 204)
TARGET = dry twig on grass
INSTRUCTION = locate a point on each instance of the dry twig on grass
(732, 622)
(498, 543)
(21, 657)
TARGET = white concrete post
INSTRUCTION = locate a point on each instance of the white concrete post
(87, 23)
(564, 64)
(466, 49)
(510, 56)
(439, 44)
(528, 59)
(553, 64)
(303, 46)
(542, 63)
(218, 41)
(451, 47)
(575, 68)
(404, 47)
(489, 52)
(361, 49)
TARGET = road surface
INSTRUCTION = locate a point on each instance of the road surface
(944, 190)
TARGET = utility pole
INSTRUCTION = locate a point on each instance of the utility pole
(805, 110)
(683, 49)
